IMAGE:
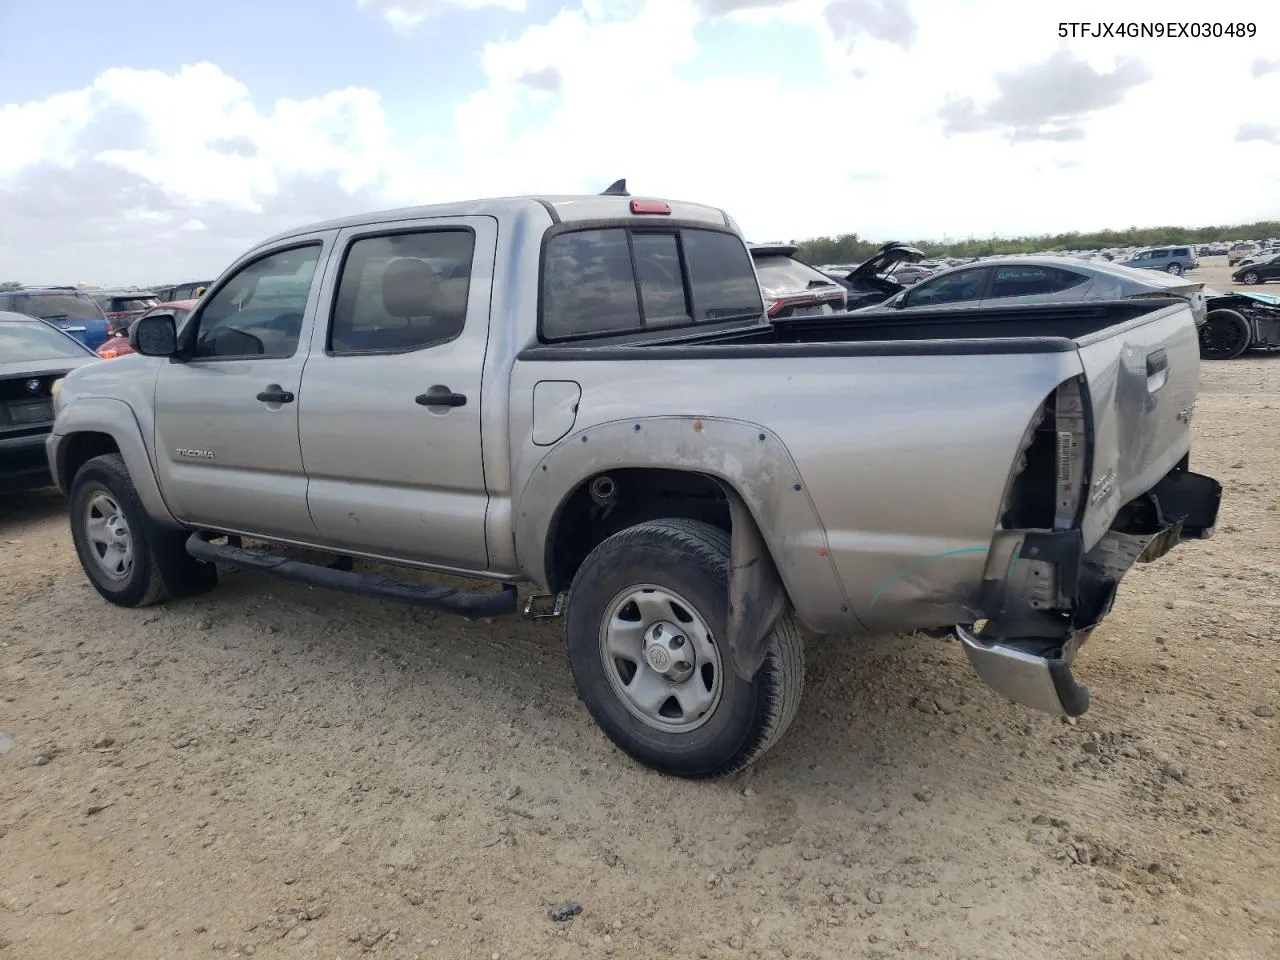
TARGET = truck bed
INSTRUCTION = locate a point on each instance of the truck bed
(1031, 328)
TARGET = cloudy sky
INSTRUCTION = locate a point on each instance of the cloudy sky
(156, 145)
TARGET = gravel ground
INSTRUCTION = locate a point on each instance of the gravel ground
(283, 772)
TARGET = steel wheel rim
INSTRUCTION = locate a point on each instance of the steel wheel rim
(661, 658)
(110, 540)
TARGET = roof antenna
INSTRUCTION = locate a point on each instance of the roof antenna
(616, 189)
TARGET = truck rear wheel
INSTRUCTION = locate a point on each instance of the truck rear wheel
(128, 558)
(646, 627)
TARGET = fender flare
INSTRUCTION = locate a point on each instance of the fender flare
(116, 419)
(779, 548)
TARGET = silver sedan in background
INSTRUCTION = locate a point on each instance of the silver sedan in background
(1009, 281)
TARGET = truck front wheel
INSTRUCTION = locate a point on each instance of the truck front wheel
(128, 558)
(646, 627)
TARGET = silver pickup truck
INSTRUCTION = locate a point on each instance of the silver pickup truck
(583, 396)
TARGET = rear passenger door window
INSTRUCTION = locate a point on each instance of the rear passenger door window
(1031, 281)
(402, 292)
(958, 287)
(620, 280)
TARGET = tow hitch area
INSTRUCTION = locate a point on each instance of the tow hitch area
(1041, 680)
(1045, 596)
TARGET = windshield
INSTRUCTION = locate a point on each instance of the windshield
(60, 306)
(23, 341)
(783, 276)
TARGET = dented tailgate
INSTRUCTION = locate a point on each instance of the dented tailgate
(1142, 379)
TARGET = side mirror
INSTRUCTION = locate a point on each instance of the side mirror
(155, 335)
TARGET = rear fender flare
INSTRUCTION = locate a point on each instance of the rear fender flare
(779, 549)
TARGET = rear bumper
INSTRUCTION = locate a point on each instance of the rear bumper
(1039, 616)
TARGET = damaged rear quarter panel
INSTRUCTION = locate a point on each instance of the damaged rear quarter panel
(901, 461)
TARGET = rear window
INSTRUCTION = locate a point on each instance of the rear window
(1181, 252)
(57, 306)
(783, 276)
(622, 280)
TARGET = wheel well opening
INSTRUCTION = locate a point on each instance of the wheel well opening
(614, 500)
(79, 450)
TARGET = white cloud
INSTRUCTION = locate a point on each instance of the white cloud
(404, 15)
(921, 120)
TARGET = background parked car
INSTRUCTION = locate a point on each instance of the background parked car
(1265, 253)
(792, 288)
(191, 290)
(1008, 281)
(1175, 260)
(34, 355)
(118, 345)
(122, 306)
(1238, 251)
(67, 308)
(1259, 271)
(876, 278)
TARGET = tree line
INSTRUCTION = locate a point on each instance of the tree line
(851, 248)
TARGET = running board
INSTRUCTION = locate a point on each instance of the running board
(1034, 680)
(445, 599)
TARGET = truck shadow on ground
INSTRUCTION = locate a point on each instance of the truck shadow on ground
(886, 721)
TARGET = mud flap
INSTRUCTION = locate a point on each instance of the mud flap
(757, 597)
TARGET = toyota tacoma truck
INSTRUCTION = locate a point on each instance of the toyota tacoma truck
(583, 397)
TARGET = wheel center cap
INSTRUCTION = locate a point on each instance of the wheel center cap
(659, 658)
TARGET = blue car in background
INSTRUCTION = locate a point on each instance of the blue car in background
(70, 310)
(1175, 260)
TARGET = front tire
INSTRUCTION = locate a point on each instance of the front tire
(129, 559)
(1251, 278)
(646, 628)
(1225, 335)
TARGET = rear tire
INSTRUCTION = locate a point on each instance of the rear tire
(1175, 269)
(1225, 335)
(659, 583)
(130, 560)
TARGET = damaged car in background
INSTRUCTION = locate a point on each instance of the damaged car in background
(876, 278)
(1237, 322)
(1007, 281)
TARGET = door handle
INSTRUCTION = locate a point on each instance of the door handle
(275, 394)
(1157, 361)
(443, 398)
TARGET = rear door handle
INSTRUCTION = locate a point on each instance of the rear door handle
(442, 398)
(275, 394)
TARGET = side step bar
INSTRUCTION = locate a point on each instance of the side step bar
(446, 599)
(1040, 682)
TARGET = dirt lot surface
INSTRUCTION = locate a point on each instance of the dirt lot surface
(282, 772)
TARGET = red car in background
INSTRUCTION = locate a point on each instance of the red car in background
(118, 346)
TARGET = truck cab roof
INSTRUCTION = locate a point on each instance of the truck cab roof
(562, 208)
